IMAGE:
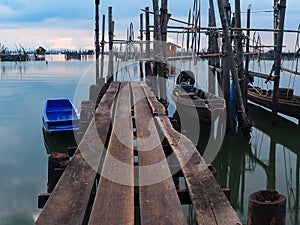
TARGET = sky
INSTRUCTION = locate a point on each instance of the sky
(69, 24)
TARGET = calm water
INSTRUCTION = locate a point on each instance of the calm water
(268, 160)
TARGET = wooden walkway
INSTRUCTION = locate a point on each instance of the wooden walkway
(123, 143)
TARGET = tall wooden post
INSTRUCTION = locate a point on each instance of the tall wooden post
(97, 46)
(239, 50)
(247, 56)
(163, 62)
(141, 46)
(102, 45)
(110, 44)
(157, 42)
(148, 69)
(277, 61)
(225, 81)
(211, 61)
(240, 105)
(214, 48)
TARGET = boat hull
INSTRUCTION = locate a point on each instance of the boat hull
(60, 116)
(289, 107)
(202, 110)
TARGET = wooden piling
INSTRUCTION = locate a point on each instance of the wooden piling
(141, 46)
(266, 207)
(240, 104)
(102, 45)
(163, 61)
(110, 43)
(239, 50)
(148, 68)
(225, 81)
(211, 72)
(57, 163)
(97, 46)
(277, 61)
(247, 60)
(156, 45)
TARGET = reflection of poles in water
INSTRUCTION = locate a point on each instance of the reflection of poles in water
(230, 164)
(271, 179)
(237, 168)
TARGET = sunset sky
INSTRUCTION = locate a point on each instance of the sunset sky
(56, 24)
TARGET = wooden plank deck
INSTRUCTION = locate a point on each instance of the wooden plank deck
(116, 186)
(158, 196)
(210, 203)
(75, 200)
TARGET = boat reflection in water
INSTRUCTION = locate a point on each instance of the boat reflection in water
(58, 142)
(269, 159)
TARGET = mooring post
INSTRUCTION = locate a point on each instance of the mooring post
(148, 68)
(247, 60)
(57, 163)
(156, 46)
(97, 46)
(87, 112)
(225, 84)
(102, 79)
(163, 62)
(110, 75)
(266, 207)
(278, 52)
(214, 48)
(211, 61)
(239, 50)
(243, 123)
(141, 46)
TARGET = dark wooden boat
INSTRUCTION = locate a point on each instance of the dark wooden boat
(288, 103)
(193, 102)
(60, 116)
(58, 141)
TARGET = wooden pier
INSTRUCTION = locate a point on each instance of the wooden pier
(123, 170)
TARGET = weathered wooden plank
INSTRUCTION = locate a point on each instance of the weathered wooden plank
(159, 202)
(114, 202)
(210, 203)
(69, 200)
(156, 107)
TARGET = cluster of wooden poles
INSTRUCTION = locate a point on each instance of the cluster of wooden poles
(232, 62)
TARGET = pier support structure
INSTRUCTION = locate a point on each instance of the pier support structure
(279, 15)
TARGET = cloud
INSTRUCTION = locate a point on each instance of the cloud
(31, 22)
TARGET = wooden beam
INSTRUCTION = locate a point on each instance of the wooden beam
(159, 202)
(296, 72)
(116, 186)
(210, 204)
(261, 75)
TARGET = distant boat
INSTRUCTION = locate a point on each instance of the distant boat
(60, 116)
(288, 103)
(193, 102)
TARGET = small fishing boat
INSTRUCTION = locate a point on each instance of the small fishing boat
(193, 102)
(60, 116)
(288, 103)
